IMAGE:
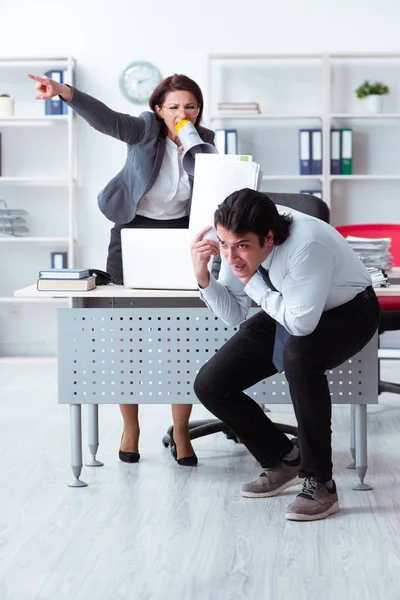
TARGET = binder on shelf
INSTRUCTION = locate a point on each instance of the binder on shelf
(225, 141)
(220, 140)
(347, 152)
(59, 260)
(53, 106)
(231, 141)
(67, 78)
(305, 151)
(316, 152)
(317, 193)
(336, 135)
(0, 154)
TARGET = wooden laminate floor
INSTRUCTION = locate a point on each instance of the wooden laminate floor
(155, 530)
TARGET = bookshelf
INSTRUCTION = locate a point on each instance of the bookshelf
(39, 175)
(315, 91)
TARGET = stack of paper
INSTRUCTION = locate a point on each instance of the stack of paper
(215, 177)
(374, 252)
(13, 221)
(378, 277)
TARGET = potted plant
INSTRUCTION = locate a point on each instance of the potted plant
(372, 94)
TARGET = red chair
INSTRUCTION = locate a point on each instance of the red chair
(390, 305)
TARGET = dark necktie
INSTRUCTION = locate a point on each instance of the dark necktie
(281, 334)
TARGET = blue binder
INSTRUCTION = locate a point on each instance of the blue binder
(305, 151)
(336, 151)
(66, 79)
(231, 141)
(220, 140)
(225, 141)
(316, 152)
(53, 106)
(59, 260)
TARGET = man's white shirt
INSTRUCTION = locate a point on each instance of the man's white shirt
(314, 270)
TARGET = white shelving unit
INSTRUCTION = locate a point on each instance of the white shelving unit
(39, 175)
(315, 91)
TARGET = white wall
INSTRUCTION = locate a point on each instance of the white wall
(105, 36)
(177, 36)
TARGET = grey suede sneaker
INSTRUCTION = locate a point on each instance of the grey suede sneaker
(314, 502)
(273, 481)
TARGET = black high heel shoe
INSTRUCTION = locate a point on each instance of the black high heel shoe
(187, 461)
(128, 457)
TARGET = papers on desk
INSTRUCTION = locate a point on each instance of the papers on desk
(378, 278)
(374, 252)
(13, 221)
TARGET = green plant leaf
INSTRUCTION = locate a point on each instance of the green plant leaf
(369, 89)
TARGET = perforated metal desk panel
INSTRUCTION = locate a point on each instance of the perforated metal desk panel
(151, 354)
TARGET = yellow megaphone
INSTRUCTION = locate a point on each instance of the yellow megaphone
(192, 144)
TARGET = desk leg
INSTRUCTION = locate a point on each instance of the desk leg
(361, 446)
(352, 465)
(76, 444)
(93, 435)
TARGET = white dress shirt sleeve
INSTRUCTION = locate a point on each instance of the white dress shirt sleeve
(304, 290)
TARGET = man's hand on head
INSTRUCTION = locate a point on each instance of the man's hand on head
(202, 250)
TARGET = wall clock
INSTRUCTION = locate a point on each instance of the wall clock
(138, 81)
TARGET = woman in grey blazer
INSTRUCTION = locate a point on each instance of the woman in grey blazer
(151, 191)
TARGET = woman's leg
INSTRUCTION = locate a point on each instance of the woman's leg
(180, 412)
(181, 415)
(130, 440)
(114, 257)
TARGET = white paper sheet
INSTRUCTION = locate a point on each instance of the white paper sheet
(215, 177)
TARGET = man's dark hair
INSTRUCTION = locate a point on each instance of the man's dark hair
(249, 211)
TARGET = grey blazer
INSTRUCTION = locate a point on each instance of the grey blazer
(145, 136)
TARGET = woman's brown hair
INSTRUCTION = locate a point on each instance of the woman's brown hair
(175, 83)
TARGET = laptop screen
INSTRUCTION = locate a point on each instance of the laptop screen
(157, 259)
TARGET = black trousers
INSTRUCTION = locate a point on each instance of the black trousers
(114, 258)
(247, 358)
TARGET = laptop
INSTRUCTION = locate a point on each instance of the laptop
(157, 259)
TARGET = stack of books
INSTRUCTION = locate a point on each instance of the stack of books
(66, 280)
(239, 108)
(374, 252)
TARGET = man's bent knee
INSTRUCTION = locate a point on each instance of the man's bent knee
(207, 386)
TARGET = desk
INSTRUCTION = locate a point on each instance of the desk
(122, 346)
(394, 275)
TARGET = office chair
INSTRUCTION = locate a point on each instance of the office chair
(390, 305)
(310, 205)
